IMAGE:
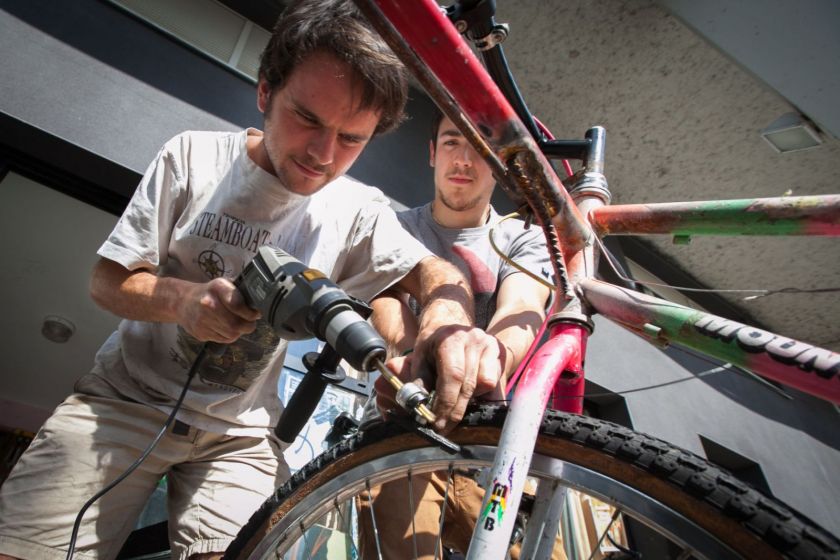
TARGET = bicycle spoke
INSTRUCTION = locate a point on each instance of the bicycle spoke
(604, 534)
(347, 524)
(439, 544)
(373, 520)
(411, 506)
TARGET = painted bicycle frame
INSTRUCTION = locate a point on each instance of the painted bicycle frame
(434, 51)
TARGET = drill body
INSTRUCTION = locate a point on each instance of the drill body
(301, 302)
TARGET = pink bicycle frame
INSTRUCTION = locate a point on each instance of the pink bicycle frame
(436, 54)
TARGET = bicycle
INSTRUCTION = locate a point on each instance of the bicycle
(693, 507)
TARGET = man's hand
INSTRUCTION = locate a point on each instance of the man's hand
(216, 311)
(466, 360)
(459, 363)
(467, 363)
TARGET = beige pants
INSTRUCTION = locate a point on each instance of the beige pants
(215, 482)
(397, 532)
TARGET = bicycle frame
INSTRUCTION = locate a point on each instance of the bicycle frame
(434, 51)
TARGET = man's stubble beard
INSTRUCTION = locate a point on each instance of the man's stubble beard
(463, 207)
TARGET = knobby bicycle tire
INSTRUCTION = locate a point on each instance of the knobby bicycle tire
(723, 515)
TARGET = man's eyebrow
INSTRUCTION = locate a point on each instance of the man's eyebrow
(309, 115)
(451, 132)
(306, 112)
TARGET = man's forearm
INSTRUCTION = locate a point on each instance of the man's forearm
(514, 336)
(139, 295)
(213, 311)
(395, 321)
(519, 313)
(443, 293)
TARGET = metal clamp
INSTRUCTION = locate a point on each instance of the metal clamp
(495, 37)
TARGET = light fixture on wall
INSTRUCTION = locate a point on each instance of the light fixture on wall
(790, 133)
(57, 329)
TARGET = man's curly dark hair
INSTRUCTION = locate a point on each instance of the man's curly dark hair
(337, 26)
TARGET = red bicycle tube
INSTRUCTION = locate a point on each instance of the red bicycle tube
(558, 364)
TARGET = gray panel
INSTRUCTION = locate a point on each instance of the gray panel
(793, 46)
(88, 73)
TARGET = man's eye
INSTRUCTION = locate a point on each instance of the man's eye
(351, 140)
(307, 119)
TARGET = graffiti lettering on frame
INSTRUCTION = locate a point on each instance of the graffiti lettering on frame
(495, 509)
(786, 350)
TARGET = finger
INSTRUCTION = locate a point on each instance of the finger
(451, 375)
(234, 301)
(385, 392)
(472, 361)
(489, 371)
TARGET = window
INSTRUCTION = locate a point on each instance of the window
(209, 27)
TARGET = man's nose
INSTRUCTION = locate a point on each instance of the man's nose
(322, 147)
(464, 157)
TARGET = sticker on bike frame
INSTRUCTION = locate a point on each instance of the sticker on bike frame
(495, 509)
(785, 350)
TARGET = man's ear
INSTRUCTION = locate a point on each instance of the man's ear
(263, 95)
(431, 154)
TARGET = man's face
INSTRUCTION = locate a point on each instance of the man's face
(314, 129)
(463, 180)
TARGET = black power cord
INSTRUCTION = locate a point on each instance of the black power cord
(198, 359)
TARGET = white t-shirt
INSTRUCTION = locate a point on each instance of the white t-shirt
(201, 211)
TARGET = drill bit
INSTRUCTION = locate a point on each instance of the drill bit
(421, 408)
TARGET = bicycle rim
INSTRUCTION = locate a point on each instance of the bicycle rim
(691, 508)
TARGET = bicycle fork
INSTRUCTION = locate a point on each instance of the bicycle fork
(557, 362)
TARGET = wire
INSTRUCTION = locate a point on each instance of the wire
(715, 370)
(792, 291)
(72, 547)
(508, 260)
(700, 375)
(759, 293)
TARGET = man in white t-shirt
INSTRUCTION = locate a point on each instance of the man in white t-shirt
(205, 205)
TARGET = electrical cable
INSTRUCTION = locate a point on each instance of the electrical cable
(77, 524)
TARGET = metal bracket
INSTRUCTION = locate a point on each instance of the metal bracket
(496, 37)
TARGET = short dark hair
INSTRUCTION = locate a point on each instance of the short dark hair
(437, 118)
(338, 27)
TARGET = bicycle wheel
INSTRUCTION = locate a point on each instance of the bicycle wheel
(674, 504)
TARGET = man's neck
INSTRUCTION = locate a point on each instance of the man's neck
(256, 150)
(472, 218)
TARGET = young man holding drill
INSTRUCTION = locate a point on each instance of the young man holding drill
(208, 201)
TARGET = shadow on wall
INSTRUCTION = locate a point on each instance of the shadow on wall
(769, 399)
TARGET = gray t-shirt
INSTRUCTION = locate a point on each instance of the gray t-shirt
(470, 250)
(201, 211)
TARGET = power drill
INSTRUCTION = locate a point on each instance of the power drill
(300, 302)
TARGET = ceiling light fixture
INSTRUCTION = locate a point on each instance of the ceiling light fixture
(57, 329)
(790, 133)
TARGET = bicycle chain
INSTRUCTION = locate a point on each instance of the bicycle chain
(534, 196)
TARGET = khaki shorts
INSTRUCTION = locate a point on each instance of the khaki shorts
(215, 482)
(399, 530)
